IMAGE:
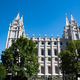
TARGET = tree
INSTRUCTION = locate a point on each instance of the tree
(21, 59)
(2, 72)
(69, 58)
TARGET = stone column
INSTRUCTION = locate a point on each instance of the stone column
(74, 36)
(16, 34)
(39, 42)
(9, 43)
(46, 68)
(52, 55)
(45, 50)
(39, 53)
(71, 29)
(58, 50)
(78, 34)
(19, 34)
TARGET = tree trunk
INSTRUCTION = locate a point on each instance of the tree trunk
(26, 78)
(72, 77)
(76, 76)
(63, 75)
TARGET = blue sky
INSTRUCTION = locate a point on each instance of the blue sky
(39, 16)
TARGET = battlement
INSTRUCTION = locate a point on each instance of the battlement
(43, 39)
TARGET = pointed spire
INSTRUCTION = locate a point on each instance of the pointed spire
(71, 17)
(67, 23)
(10, 24)
(18, 16)
(22, 19)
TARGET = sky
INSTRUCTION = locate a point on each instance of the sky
(39, 16)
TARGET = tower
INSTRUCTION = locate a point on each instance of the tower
(71, 29)
(15, 30)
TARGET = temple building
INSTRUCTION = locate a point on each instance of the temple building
(48, 48)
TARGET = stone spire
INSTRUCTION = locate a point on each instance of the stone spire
(71, 17)
(67, 23)
(22, 20)
(18, 16)
(10, 24)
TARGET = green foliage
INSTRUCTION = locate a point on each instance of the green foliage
(2, 72)
(21, 58)
(67, 61)
(70, 57)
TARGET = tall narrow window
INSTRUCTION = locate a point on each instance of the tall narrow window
(13, 40)
(42, 69)
(49, 69)
(23, 34)
(56, 69)
(55, 43)
(55, 52)
(60, 43)
(70, 37)
(76, 36)
(49, 59)
(36, 42)
(56, 59)
(49, 52)
(42, 43)
(42, 59)
(42, 52)
(49, 43)
(66, 43)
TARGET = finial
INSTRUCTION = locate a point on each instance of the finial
(39, 35)
(71, 17)
(66, 15)
(57, 36)
(51, 36)
(10, 24)
(33, 35)
(27, 35)
(45, 35)
(19, 12)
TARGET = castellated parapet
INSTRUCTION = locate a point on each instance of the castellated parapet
(42, 39)
(48, 48)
